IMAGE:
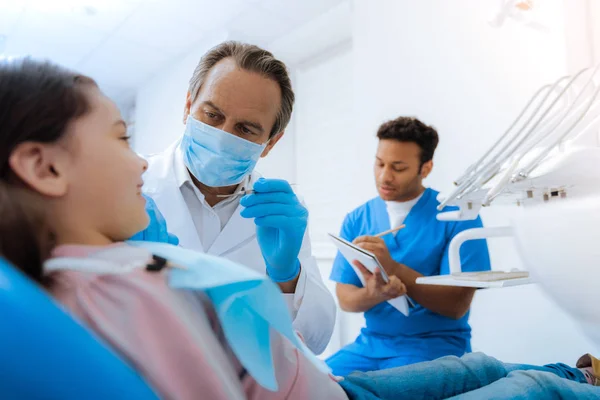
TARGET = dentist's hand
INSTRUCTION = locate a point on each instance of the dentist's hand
(157, 229)
(280, 225)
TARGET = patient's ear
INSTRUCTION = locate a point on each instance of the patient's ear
(43, 167)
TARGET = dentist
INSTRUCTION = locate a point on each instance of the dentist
(238, 105)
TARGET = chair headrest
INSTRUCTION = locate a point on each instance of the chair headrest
(47, 354)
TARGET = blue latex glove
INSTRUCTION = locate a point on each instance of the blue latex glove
(157, 229)
(280, 225)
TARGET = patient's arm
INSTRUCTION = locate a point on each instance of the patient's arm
(297, 377)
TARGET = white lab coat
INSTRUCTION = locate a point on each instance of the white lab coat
(312, 305)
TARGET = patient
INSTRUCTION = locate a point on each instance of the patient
(71, 187)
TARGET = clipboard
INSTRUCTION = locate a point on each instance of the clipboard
(352, 253)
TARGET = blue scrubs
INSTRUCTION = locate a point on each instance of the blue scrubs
(391, 339)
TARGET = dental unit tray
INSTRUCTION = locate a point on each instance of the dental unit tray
(544, 156)
(480, 280)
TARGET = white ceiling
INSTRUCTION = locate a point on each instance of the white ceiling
(121, 43)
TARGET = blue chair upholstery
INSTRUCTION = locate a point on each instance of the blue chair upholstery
(45, 354)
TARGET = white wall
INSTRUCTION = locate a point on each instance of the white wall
(160, 101)
(443, 62)
(323, 118)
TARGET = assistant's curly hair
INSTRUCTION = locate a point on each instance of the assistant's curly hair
(407, 129)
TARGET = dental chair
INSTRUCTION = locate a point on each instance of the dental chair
(46, 354)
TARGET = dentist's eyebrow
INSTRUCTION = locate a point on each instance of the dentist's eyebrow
(254, 125)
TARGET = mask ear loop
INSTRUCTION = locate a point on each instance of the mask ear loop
(268, 141)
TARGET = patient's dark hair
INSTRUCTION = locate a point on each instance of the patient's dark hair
(38, 100)
(25, 238)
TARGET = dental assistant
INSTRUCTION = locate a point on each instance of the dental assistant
(438, 325)
(238, 105)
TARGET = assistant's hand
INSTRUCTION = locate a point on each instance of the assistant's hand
(157, 229)
(377, 289)
(378, 247)
(280, 225)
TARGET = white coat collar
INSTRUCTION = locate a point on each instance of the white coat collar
(238, 231)
(162, 185)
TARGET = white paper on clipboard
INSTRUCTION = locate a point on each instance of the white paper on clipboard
(352, 253)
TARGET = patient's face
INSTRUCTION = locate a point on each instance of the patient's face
(104, 174)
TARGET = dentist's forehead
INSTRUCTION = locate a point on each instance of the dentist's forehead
(241, 94)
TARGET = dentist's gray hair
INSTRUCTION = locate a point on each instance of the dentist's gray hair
(254, 59)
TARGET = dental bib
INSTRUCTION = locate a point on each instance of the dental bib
(248, 304)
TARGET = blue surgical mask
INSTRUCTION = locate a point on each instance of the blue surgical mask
(217, 158)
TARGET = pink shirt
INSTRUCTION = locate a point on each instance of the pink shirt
(172, 337)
